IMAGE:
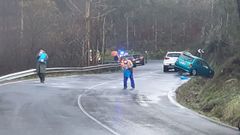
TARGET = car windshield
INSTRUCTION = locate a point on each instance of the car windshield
(136, 56)
(187, 58)
(204, 64)
(173, 55)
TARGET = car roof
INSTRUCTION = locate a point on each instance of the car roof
(174, 52)
(128, 56)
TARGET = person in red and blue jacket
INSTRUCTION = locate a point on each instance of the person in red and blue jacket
(127, 67)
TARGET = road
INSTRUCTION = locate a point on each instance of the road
(96, 104)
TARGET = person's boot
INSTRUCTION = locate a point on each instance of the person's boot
(41, 79)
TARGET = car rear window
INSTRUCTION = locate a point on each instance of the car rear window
(187, 58)
(173, 55)
(136, 56)
(128, 57)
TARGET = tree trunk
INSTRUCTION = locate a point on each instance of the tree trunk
(22, 24)
(238, 3)
(156, 34)
(103, 40)
(88, 29)
(127, 33)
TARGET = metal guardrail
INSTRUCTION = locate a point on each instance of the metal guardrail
(31, 72)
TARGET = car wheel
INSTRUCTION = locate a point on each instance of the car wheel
(143, 62)
(165, 68)
(180, 72)
(194, 72)
(211, 76)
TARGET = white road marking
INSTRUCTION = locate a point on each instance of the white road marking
(92, 118)
(141, 102)
(171, 95)
(11, 83)
(99, 85)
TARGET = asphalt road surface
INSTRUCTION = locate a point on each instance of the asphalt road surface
(96, 104)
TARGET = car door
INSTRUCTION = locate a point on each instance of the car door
(204, 68)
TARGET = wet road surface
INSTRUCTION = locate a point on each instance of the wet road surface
(96, 104)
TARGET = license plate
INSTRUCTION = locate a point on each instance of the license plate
(137, 61)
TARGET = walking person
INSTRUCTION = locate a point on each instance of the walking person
(42, 58)
(127, 66)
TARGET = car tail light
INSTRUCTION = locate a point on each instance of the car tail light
(166, 58)
(141, 57)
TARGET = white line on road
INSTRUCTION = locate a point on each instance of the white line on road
(171, 95)
(11, 83)
(91, 117)
(94, 119)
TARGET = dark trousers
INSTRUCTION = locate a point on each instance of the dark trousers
(131, 79)
(42, 77)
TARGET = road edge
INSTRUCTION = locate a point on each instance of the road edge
(172, 99)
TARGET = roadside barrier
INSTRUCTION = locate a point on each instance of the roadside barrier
(58, 70)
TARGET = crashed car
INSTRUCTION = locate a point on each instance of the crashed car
(193, 65)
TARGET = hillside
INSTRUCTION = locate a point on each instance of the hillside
(68, 30)
(218, 97)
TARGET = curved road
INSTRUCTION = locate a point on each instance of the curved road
(95, 104)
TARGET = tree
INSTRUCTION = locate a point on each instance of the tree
(238, 4)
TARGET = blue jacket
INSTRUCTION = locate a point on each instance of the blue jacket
(43, 57)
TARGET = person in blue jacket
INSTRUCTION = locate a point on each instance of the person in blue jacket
(42, 58)
(127, 66)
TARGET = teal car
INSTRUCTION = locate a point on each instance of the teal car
(193, 65)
